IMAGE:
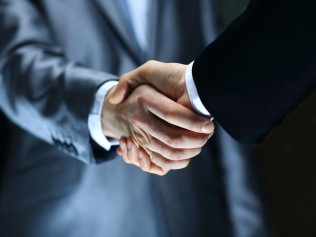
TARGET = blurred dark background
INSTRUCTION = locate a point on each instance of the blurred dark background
(287, 159)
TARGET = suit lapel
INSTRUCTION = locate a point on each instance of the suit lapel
(115, 18)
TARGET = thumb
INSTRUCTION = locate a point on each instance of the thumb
(185, 101)
(119, 93)
(127, 83)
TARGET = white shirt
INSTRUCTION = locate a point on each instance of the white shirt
(139, 15)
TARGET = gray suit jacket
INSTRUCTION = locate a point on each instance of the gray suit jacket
(53, 57)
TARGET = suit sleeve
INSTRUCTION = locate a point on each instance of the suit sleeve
(260, 68)
(40, 90)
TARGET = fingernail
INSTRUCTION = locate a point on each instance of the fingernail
(207, 128)
(129, 145)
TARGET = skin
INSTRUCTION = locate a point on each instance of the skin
(168, 136)
(156, 138)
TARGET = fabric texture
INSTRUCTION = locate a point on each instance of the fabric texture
(54, 56)
(260, 68)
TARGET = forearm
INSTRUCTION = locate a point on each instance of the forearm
(40, 90)
(260, 68)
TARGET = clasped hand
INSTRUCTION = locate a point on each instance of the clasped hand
(158, 132)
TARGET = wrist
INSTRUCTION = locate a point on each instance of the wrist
(113, 125)
(193, 95)
(184, 99)
(94, 120)
(107, 115)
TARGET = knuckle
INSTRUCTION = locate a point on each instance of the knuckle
(198, 151)
(143, 70)
(203, 140)
(123, 78)
(149, 63)
(185, 163)
(126, 160)
(143, 95)
(163, 172)
(144, 167)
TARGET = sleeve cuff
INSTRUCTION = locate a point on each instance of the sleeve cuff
(193, 94)
(94, 120)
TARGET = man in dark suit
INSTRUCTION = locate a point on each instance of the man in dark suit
(251, 76)
(55, 56)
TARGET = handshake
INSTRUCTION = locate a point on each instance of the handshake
(150, 112)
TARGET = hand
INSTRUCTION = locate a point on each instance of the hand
(167, 135)
(136, 155)
(168, 78)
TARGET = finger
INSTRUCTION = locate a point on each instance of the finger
(154, 169)
(160, 75)
(127, 83)
(119, 151)
(136, 156)
(176, 114)
(132, 152)
(168, 164)
(144, 161)
(155, 145)
(124, 150)
(169, 78)
(140, 158)
(168, 134)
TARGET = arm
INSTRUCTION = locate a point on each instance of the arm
(48, 95)
(260, 68)
(40, 90)
(255, 73)
(166, 133)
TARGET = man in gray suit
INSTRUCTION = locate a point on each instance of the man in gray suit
(50, 98)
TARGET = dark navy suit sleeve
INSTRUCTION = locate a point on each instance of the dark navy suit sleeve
(40, 90)
(260, 68)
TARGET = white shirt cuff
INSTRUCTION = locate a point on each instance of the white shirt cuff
(193, 94)
(94, 120)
